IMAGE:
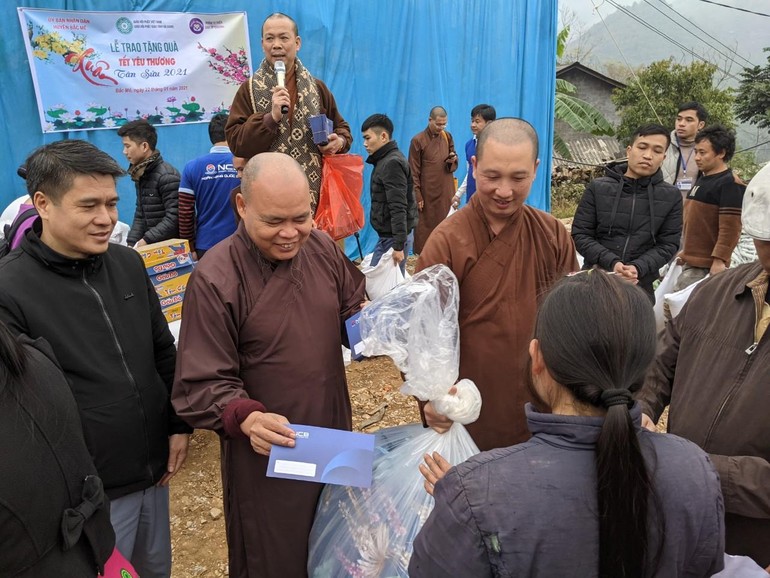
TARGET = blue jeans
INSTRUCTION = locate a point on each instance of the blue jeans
(385, 243)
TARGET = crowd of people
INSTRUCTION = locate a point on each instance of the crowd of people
(98, 401)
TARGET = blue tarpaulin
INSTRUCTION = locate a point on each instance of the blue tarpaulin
(398, 57)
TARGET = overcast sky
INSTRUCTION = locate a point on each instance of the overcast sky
(584, 9)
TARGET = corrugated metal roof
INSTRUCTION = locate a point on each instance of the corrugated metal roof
(592, 150)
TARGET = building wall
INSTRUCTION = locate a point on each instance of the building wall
(593, 91)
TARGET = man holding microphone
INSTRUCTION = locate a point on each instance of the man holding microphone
(268, 115)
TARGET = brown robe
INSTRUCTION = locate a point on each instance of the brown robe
(434, 183)
(252, 333)
(501, 279)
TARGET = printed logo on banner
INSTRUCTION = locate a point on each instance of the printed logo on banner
(196, 26)
(124, 25)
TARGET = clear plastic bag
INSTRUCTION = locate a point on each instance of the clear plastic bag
(368, 533)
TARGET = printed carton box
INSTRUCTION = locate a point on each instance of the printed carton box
(163, 251)
(172, 263)
(172, 286)
(173, 313)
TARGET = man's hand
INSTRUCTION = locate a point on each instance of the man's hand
(267, 429)
(717, 266)
(398, 256)
(628, 272)
(280, 98)
(648, 423)
(140, 243)
(440, 423)
(177, 453)
(434, 468)
(335, 145)
(456, 201)
(420, 205)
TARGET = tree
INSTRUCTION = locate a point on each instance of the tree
(752, 104)
(577, 113)
(667, 85)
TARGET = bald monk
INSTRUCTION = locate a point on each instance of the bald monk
(505, 255)
(259, 348)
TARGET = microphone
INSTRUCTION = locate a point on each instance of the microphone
(280, 73)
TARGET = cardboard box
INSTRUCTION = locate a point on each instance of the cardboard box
(163, 251)
(175, 262)
(160, 278)
(171, 300)
(173, 313)
(172, 286)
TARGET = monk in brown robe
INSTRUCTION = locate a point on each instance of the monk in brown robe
(505, 255)
(433, 160)
(259, 348)
(257, 124)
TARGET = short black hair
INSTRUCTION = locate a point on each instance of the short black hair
(650, 129)
(140, 131)
(485, 111)
(380, 121)
(700, 111)
(217, 127)
(721, 139)
(52, 168)
(280, 15)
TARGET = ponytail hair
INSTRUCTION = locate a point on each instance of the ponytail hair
(13, 358)
(597, 337)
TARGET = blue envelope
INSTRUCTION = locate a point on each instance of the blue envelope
(354, 337)
(327, 456)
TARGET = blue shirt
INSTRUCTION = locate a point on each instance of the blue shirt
(470, 150)
(210, 179)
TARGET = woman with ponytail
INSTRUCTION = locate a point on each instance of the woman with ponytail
(54, 516)
(591, 493)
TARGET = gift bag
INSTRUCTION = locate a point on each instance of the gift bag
(368, 533)
(339, 211)
(383, 277)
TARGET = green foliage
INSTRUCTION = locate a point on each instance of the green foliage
(753, 100)
(565, 198)
(745, 165)
(667, 85)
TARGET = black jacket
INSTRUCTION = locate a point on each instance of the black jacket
(394, 207)
(103, 320)
(43, 476)
(636, 222)
(157, 204)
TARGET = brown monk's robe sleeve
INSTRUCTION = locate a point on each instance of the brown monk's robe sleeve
(249, 133)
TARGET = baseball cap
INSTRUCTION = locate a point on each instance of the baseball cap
(756, 206)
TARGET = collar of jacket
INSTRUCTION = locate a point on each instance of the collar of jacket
(572, 430)
(58, 263)
(377, 155)
(618, 173)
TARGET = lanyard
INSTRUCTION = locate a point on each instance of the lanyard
(681, 157)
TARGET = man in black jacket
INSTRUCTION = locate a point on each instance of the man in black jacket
(630, 220)
(157, 186)
(95, 305)
(394, 208)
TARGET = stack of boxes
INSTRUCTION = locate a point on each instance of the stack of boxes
(169, 265)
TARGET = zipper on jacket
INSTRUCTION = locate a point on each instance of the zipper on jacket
(125, 368)
(630, 222)
(730, 394)
(751, 348)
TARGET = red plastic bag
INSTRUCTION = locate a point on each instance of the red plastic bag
(340, 212)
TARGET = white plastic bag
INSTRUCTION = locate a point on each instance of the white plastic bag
(665, 287)
(675, 302)
(369, 533)
(383, 276)
(120, 233)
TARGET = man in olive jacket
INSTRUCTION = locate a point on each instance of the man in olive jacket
(394, 207)
(630, 220)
